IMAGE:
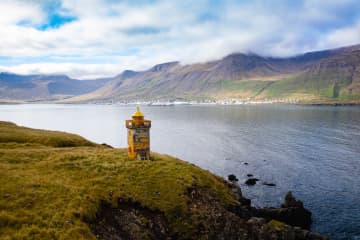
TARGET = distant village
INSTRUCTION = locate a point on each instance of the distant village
(202, 102)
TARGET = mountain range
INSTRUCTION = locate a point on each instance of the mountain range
(31, 88)
(329, 75)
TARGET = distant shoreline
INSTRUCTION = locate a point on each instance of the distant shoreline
(182, 103)
(195, 104)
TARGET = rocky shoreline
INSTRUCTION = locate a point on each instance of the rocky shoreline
(130, 220)
(71, 188)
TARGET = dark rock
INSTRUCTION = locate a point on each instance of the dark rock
(245, 201)
(257, 221)
(251, 181)
(290, 201)
(232, 178)
(291, 212)
(315, 236)
(245, 163)
(236, 190)
(278, 230)
(269, 184)
(249, 175)
(129, 220)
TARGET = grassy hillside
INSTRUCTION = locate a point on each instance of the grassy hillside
(318, 89)
(53, 183)
(13, 135)
(299, 87)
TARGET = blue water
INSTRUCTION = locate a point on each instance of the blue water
(312, 151)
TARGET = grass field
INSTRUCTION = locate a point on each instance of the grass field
(52, 184)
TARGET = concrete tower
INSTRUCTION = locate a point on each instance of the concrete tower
(138, 136)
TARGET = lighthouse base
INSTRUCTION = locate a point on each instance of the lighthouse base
(143, 155)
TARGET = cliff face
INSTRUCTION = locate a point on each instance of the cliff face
(56, 185)
(208, 217)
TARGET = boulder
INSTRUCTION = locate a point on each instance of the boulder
(232, 178)
(251, 181)
(291, 212)
(235, 190)
(290, 201)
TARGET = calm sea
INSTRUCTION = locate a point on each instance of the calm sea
(312, 151)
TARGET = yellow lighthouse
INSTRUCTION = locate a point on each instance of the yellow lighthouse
(138, 136)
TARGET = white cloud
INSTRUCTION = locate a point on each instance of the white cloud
(343, 36)
(85, 71)
(12, 12)
(111, 29)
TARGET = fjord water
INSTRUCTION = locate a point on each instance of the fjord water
(312, 151)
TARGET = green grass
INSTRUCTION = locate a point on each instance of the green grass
(318, 88)
(276, 225)
(52, 182)
(244, 85)
(244, 88)
(284, 88)
(11, 133)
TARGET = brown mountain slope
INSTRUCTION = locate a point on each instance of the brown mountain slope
(240, 76)
(43, 87)
(330, 75)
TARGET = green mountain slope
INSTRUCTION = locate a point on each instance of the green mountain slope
(334, 79)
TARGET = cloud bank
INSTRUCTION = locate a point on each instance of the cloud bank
(99, 38)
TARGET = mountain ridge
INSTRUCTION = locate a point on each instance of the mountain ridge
(242, 76)
(329, 75)
(40, 87)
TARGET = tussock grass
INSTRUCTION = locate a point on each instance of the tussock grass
(53, 182)
(11, 133)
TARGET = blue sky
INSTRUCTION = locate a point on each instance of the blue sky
(95, 38)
